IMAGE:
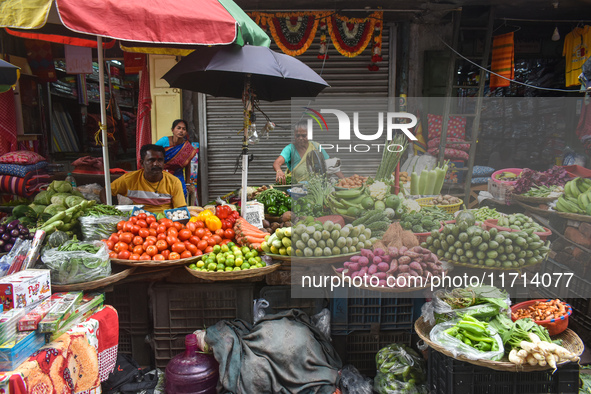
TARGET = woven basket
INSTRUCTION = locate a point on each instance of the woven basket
(575, 216)
(492, 223)
(484, 267)
(570, 341)
(423, 202)
(384, 289)
(160, 263)
(314, 261)
(234, 275)
(279, 257)
(95, 284)
(533, 200)
(536, 210)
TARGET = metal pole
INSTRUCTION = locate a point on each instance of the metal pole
(101, 67)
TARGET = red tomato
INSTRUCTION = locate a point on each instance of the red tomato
(172, 240)
(152, 238)
(144, 232)
(158, 257)
(123, 255)
(142, 223)
(225, 241)
(147, 243)
(114, 238)
(113, 255)
(145, 257)
(161, 245)
(208, 233)
(152, 231)
(186, 254)
(178, 247)
(127, 227)
(192, 248)
(151, 219)
(200, 232)
(217, 239)
(135, 229)
(138, 249)
(194, 239)
(120, 225)
(229, 233)
(152, 250)
(166, 222)
(178, 225)
(199, 253)
(186, 243)
(161, 229)
(126, 237)
(172, 232)
(120, 246)
(137, 240)
(191, 226)
(110, 245)
(199, 224)
(161, 236)
(209, 249)
(142, 216)
(154, 225)
(212, 242)
(134, 256)
(184, 234)
(219, 232)
(202, 245)
(133, 219)
(166, 253)
(174, 256)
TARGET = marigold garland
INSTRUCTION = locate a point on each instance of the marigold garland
(344, 31)
(376, 48)
(323, 51)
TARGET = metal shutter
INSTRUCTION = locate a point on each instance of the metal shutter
(223, 118)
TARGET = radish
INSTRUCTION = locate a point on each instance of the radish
(514, 358)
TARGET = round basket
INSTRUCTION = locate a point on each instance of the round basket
(423, 202)
(570, 341)
(422, 237)
(554, 326)
(341, 258)
(484, 267)
(385, 289)
(533, 200)
(492, 223)
(159, 263)
(279, 257)
(95, 284)
(233, 275)
(516, 171)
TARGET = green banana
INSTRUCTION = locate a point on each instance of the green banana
(582, 186)
(348, 194)
(349, 204)
(583, 201)
(334, 202)
(587, 181)
(588, 210)
(357, 199)
(560, 204)
(573, 200)
(571, 189)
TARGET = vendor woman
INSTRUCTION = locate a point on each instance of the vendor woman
(294, 156)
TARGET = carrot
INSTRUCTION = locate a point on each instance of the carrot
(258, 234)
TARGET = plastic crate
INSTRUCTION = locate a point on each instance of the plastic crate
(360, 348)
(179, 310)
(131, 303)
(362, 310)
(449, 376)
(279, 298)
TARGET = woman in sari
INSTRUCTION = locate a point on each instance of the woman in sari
(294, 156)
(178, 153)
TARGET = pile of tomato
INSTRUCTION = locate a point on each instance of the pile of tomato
(143, 237)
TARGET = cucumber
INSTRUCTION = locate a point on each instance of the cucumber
(490, 262)
(493, 232)
(480, 255)
(501, 249)
(500, 238)
(483, 247)
(458, 244)
(476, 241)
(493, 245)
(492, 254)
(450, 239)
(463, 237)
(486, 236)
(467, 246)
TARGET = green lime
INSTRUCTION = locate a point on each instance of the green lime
(258, 259)
(245, 266)
(200, 264)
(231, 244)
(248, 255)
(216, 249)
(252, 261)
(225, 248)
(221, 267)
(192, 266)
(259, 265)
(254, 253)
(211, 266)
(229, 262)
(229, 269)
(236, 269)
(245, 250)
(238, 262)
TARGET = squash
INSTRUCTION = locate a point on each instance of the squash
(57, 239)
(465, 218)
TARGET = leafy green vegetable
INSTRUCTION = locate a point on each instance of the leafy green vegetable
(44, 197)
(61, 187)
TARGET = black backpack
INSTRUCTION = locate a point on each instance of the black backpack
(129, 378)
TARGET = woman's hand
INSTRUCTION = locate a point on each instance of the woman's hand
(280, 177)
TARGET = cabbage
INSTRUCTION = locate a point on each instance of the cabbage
(54, 209)
(73, 200)
(61, 186)
(38, 208)
(44, 197)
(60, 198)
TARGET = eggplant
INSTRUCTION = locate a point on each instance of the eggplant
(2, 229)
(12, 225)
(14, 233)
(6, 237)
(24, 231)
(30, 236)
(8, 247)
(1, 243)
(22, 236)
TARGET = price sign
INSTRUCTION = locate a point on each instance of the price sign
(254, 213)
(78, 60)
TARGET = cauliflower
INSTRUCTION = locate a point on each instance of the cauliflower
(378, 190)
(411, 205)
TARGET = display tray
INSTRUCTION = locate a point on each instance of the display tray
(95, 284)
(570, 341)
(160, 263)
(234, 275)
(533, 200)
(385, 289)
(311, 261)
(575, 216)
(532, 209)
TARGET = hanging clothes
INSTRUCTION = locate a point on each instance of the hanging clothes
(503, 60)
(576, 52)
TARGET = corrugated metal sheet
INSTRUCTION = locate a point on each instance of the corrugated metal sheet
(224, 117)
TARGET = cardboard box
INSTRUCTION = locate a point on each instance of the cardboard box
(501, 192)
(25, 288)
(13, 354)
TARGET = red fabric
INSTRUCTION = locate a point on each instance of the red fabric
(144, 125)
(17, 385)
(176, 22)
(7, 122)
(108, 335)
(60, 39)
(40, 58)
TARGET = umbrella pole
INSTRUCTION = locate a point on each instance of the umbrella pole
(247, 109)
(103, 126)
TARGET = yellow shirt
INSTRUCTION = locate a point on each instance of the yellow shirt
(154, 196)
(577, 44)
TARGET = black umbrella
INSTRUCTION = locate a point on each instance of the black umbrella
(8, 73)
(221, 71)
(252, 72)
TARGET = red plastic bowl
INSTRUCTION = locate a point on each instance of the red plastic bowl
(516, 171)
(554, 326)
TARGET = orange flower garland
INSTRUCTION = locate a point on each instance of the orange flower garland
(351, 36)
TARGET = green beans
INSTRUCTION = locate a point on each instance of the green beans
(103, 210)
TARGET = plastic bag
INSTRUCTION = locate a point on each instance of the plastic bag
(353, 383)
(437, 310)
(259, 309)
(400, 370)
(95, 228)
(13, 261)
(91, 191)
(322, 321)
(457, 347)
(77, 267)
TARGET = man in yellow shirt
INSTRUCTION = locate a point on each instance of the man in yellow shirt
(151, 187)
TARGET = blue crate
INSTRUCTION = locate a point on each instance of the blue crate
(355, 309)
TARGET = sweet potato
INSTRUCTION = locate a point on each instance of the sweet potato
(403, 268)
(415, 266)
(393, 267)
(372, 269)
(413, 273)
(383, 267)
(404, 260)
(393, 251)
